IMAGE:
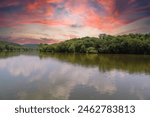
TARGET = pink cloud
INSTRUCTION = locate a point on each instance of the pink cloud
(109, 5)
(106, 24)
(7, 3)
(103, 15)
(76, 6)
(33, 41)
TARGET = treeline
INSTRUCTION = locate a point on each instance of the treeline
(8, 46)
(122, 44)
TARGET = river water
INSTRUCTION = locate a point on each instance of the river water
(74, 76)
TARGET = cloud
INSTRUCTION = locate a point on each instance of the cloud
(107, 16)
(139, 26)
(7, 3)
(39, 31)
(29, 40)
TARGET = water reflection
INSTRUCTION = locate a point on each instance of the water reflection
(58, 76)
(106, 62)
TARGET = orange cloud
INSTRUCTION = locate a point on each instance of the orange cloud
(42, 7)
(52, 22)
(54, 1)
(106, 24)
(49, 11)
(33, 6)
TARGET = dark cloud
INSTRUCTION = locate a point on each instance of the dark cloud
(12, 9)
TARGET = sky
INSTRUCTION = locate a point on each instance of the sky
(53, 21)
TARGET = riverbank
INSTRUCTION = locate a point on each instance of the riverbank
(124, 44)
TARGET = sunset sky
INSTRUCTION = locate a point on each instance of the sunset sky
(51, 21)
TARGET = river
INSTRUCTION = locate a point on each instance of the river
(74, 76)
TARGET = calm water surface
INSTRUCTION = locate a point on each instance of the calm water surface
(68, 76)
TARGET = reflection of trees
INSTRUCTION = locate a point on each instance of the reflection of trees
(129, 63)
(8, 54)
(17, 53)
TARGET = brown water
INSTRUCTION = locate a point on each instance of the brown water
(69, 76)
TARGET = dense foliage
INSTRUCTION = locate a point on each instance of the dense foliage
(125, 44)
(7, 46)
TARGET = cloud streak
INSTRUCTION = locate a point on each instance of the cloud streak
(106, 16)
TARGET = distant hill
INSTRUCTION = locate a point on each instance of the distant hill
(9, 46)
(31, 45)
(8, 43)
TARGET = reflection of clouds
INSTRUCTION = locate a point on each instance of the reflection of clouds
(102, 82)
(70, 76)
(23, 66)
(114, 73)
(139, 85)
(52, 79)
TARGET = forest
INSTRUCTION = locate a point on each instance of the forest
(121, 44)
(8, 46)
